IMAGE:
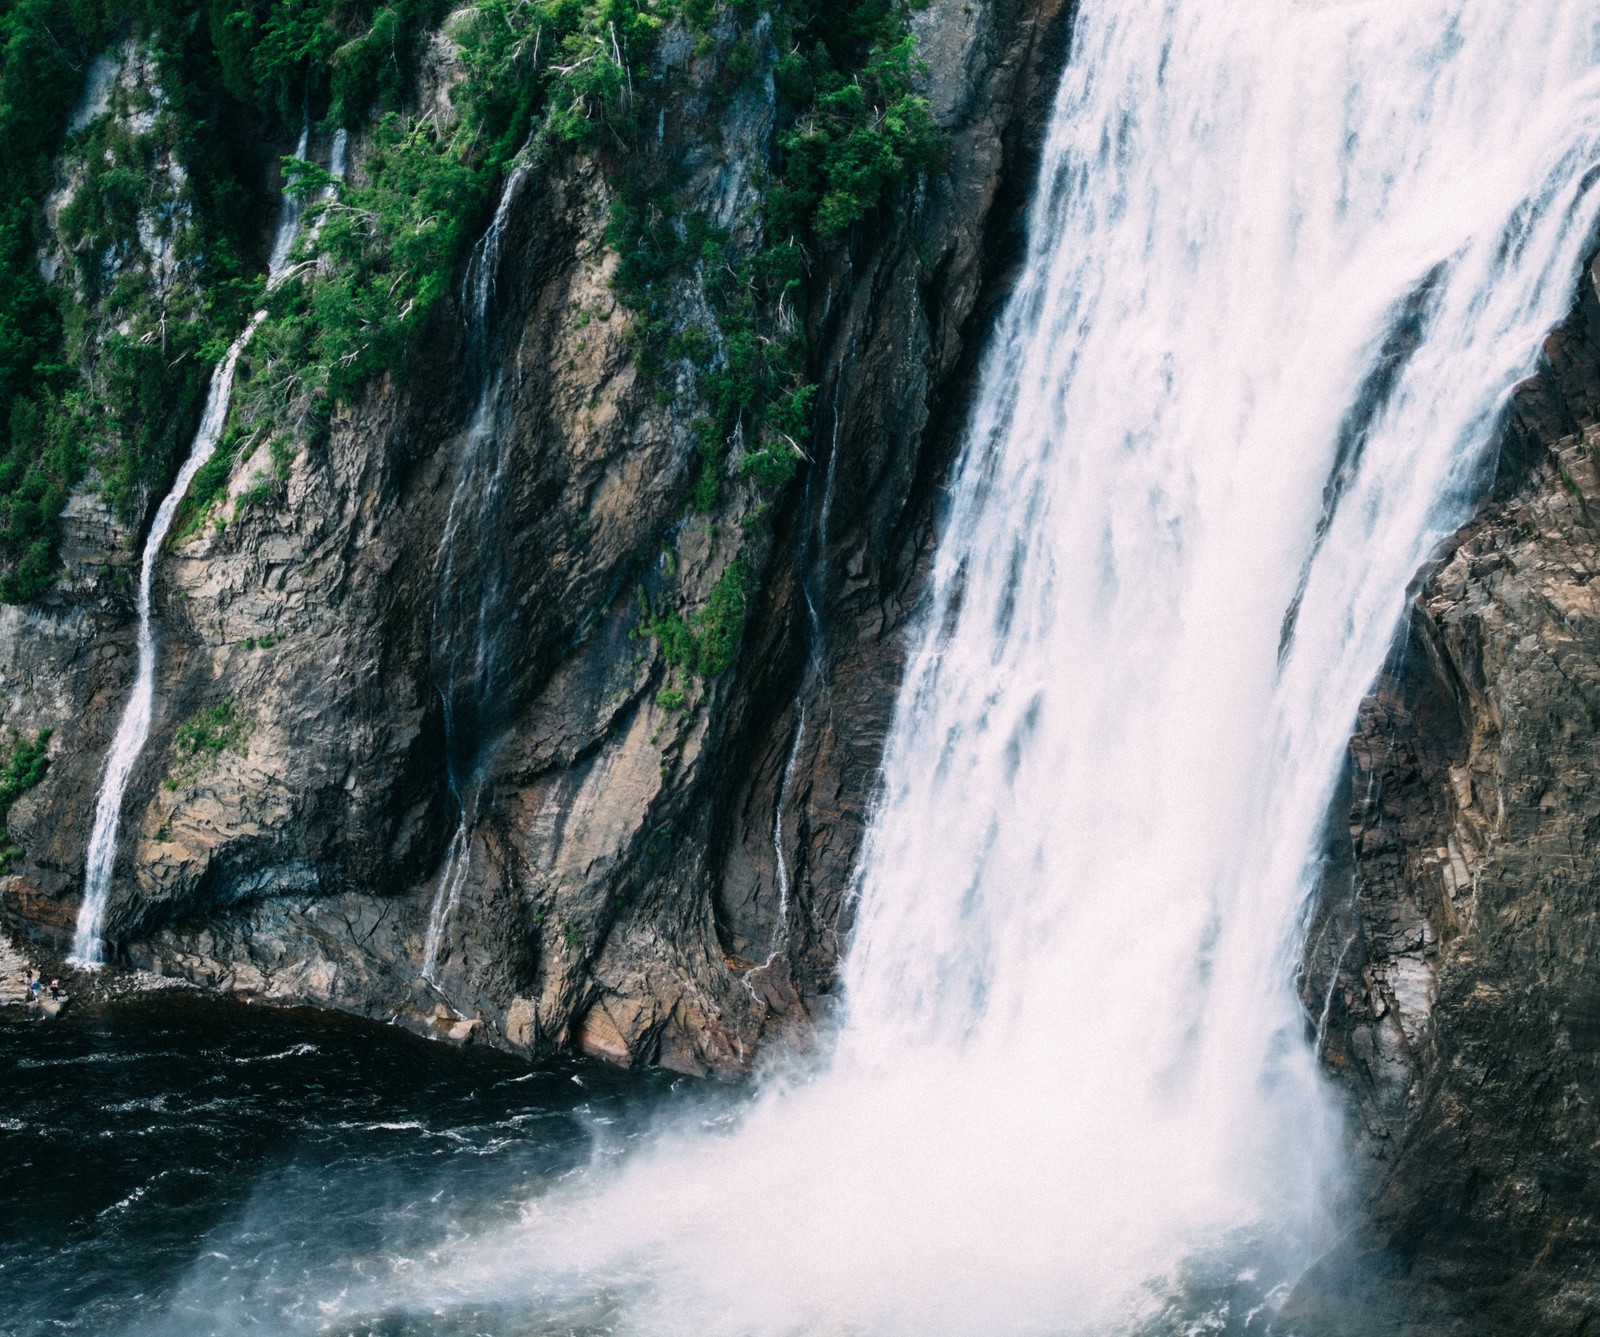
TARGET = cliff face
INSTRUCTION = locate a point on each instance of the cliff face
(660, 873)
(653, 880)
(1454, 946)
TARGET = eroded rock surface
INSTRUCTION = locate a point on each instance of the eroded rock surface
(652, 884)
(1457, 940)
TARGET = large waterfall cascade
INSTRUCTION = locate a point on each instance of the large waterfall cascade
(1288, 260)
(472, 602)
(133, 729)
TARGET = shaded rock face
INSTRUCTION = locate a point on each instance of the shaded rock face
(1453, 956)
(652, 885)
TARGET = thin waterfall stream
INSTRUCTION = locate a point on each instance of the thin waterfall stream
(812, 576)
(470, 651)
(133, 729)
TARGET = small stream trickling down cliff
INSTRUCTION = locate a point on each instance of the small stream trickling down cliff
(133, 729)
(471, 627)
(813, 574)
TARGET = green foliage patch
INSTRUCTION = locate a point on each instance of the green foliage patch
(391, 246)
(24, 768)
(204, 736)
(109, 369)
(862, 130)
(708, 641)
(539, 76)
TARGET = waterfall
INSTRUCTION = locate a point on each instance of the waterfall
(1287, 260)
(133, 729)
(289, 211)
(472, 607)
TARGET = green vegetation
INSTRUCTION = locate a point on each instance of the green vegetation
(708, 640)
(861, 130)
(282, 54)
(549, 74)
(202, 738)
(107, 366)
(855, 131)
(108, 370)
(391, 247)
(24, 768)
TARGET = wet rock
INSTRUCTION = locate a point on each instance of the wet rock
(624, 876)
(13, 975)
(1452, 958)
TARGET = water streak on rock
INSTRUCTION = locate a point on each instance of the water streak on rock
(133, 729)
(471, 615)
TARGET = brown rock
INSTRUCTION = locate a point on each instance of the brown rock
(1459, 928)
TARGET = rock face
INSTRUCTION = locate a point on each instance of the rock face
(669, 884)
(652, 884)
(1455, 944)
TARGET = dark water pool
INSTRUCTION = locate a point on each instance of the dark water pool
(177, 1167)
(180, 1168)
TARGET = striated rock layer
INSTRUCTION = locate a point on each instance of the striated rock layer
(652, 884)
(1453, 958)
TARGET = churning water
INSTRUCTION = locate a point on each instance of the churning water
(178, 1168)
(1288, 259)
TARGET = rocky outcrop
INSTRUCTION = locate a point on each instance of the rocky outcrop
(1452, 960)
(652, 883)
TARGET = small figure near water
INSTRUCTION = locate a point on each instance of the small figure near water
(49, 999)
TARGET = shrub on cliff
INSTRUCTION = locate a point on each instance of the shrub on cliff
(23, 769)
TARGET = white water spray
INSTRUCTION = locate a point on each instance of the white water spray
(1287, 262)
(471, 605)
(133, 729)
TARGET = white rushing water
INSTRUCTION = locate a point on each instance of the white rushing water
(289, 211)
(472, 605)
(1288, 259)
(1287, 262)
(133, 729)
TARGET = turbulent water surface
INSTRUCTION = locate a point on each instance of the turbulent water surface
(1288, 259)
(178, 1168)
